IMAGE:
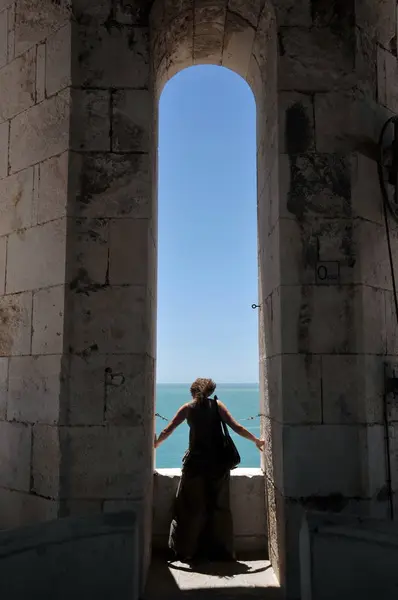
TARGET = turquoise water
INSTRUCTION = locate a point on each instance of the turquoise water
(241, 399)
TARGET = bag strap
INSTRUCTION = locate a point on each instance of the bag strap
(223, 425)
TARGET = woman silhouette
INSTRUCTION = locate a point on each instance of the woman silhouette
(202, 522)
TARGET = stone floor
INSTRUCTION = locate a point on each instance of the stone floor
(246, 579)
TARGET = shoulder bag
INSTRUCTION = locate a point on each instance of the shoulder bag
(231, 456)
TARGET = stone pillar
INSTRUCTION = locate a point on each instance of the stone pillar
(34, 142)
(77, 260)
(325, 332)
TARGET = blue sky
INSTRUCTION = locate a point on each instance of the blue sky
(207, 275)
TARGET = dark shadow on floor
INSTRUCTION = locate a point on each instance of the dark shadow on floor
(226, 569)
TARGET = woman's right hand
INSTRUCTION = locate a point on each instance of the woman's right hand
(260, 444)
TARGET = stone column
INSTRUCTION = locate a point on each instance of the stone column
(325, 332)
(34, 142)
(77, 260)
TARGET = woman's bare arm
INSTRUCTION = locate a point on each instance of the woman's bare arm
(178, 418)
(237, 427)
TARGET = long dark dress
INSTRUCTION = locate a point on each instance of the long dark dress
(202, 522)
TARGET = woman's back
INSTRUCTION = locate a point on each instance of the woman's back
(205, 436)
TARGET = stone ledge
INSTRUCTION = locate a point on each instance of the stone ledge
(240, 472)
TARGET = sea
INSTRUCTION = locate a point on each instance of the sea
(241, 399)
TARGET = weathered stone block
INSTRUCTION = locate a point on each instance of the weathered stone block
(269, 262)
(329, 241)
(3, 260)
(179, 57)
(291, 13)
(343, 399)
(321, 460)
(316, 59)
(112, 185)
(345, 121)
(249, 11)
(46, 459)
(58, 60)
(372, 267)
(90, 120)
(273, 451)
(5, 4)
(274, 194)
(11, 32)
(298, 250)
(378, 19)
(130, 241)
(48, 321)
(301, 387)
(3, 387)
(296, 123)
(99, 462)
(40, 132)
(208, 19)
(207, 49)
(316, 185)
(391, 324)
(15, 452)
(88, 262)
(37, 19)
(36, 257)
(41, 73)
(366, 64)
(87, 385)
(238, 42)
(374, 461)
(16, 324)
(17, 84)
(303, 325)
(370, 309)
(264, 49)
(4, 137)
(51, 189)
(129, 390)
(34, 389)
(255, 81)
(16, 194)
(113, 332)
(18, 509)
(3, 37)
(393, 438)
(272, 324)
(373, 387)
(80, 508)
(86, 12)
(114, 57)
(131, 122)
(295, 389)
(387, 87)
(365, 189)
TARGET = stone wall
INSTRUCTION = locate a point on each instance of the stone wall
(367, 551)
(326, 341)
(79, 86)
(34, 140)
(247, 504)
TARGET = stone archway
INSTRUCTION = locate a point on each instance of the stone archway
(77, 187)
(243, 39)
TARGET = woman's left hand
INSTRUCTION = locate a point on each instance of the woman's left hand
(260, 444)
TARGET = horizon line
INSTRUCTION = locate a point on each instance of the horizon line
(220, 383)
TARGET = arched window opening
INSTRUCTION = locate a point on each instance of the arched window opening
(207, 269)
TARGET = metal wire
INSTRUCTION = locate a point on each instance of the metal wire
(246, 419)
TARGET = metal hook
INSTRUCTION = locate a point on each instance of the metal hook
(254, 306)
